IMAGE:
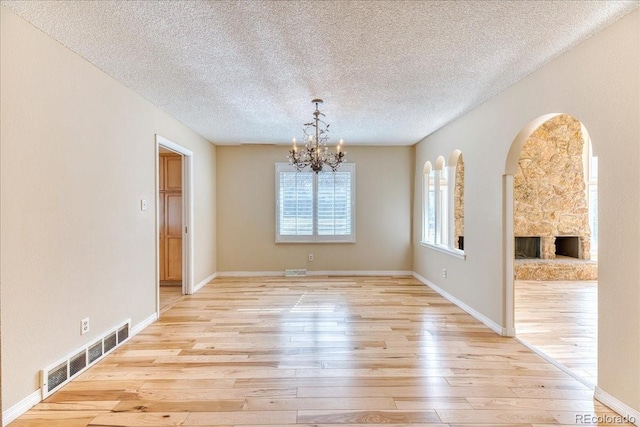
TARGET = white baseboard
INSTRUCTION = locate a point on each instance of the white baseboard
(36, 397)
(359, 273)
(632, 415)
(509, 332)
(479, 316)
(555, 363)
(249, 273)
(206, 281)
(21, 407)
(317, 273)
(140, 326)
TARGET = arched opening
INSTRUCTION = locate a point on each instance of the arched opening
(550, 217)
(456, 164)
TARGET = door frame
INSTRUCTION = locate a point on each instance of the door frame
(187, 215)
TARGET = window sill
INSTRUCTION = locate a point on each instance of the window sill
(457, 253)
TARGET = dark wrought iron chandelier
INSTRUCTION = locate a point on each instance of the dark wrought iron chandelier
(315, 152)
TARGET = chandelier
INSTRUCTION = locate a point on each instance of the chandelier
(315, 152)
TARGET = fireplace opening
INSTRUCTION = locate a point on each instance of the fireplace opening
(568, 246)
(527, 247)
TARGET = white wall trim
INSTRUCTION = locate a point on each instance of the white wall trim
(456, 253)
(605, 398)
(632, 415)
(249, 273)
(21, 407)
(473, 312)
(197, 287)
(555, 363)
(359, 273)
(36, 397)
(140, 326)
(188, 247)
(509, 332)
(508, 251)
(317, 273)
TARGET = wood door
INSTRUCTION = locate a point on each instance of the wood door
(173, 173)
(173, 247)
(163, 232)
(170, 216)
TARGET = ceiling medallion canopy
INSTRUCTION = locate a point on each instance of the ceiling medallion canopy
(315, 152)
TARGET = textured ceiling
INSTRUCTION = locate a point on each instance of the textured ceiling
(390, 72)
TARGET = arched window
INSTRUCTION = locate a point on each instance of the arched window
(457, 173)
(443, 204)
(428, 204)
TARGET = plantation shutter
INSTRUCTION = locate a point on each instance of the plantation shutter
(334, 203)
(296, 204)
(314, 207)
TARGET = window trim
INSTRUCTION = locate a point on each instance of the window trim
(315, 237)
(444, 249)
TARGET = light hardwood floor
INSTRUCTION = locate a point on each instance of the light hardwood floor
(316, 351)
(169, 295)
(561, 320)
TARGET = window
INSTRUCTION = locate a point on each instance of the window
(443, 205)
(314, 207)
(428, 204)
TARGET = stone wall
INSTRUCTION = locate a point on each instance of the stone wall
(549, 187)
(458, 202)
(556, 269)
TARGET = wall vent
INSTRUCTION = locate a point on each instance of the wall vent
(95, 352)
(63, 371)
(295, 272)
(77, 363)
(123, 334)
(56, 376)
(110, 342)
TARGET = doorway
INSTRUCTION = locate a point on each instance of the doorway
(174, 216)
(550, 231)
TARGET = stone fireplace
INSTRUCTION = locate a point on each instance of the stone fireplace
(527, 247)
(568, 246)
(551, 216)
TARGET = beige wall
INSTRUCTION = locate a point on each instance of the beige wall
(598, 83)
(246, 213)
(78, 155)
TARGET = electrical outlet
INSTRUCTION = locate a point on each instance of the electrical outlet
(143, 205)
(310, 257)
(444, 273)
(84, 326)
